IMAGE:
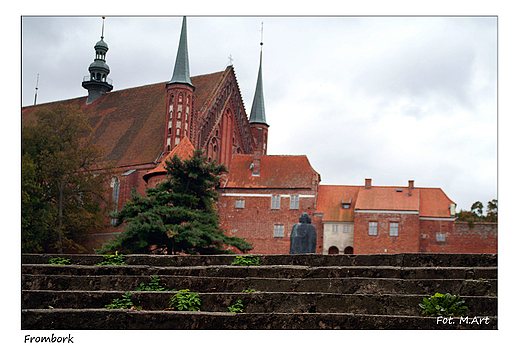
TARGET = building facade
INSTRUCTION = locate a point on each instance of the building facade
(261, 196)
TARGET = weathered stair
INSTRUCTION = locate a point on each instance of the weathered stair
(292, 291)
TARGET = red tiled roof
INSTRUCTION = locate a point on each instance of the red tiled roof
(276, 171)
(129, 124)
(183, 150)
(434, 203)
(387, 198)
(430, 202)
(329, 202)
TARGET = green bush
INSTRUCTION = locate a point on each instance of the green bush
(185, 300)
(246, 260)
(238, 307)
(443, 305)
(59, 261)
(113, 259)
(153, 285)
(124, 303)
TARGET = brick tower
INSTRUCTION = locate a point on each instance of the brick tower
(181, 98)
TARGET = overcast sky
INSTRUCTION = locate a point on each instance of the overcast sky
(388, 98)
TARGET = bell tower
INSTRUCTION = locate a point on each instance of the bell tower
(98, 83)
(180, 92)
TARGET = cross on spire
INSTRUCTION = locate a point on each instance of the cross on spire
(230, 60)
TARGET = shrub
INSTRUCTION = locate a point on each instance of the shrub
(443, 305)
(113, 259)
(59, 261)
(124, 303)
(153, 285)
(246, 260)
(185, 300)
(238, 307)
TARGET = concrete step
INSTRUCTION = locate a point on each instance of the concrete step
(258, 302)
(271, 271)
(317, 260)
(102, 319)
(223, 284)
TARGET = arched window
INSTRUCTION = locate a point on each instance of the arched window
(349, 250)
(115, 196)
(333, 250)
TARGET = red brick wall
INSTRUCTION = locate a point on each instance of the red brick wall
(460, 238)
(406, 241)
(255, 222)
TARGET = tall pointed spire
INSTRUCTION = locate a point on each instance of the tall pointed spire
(181, 71)
(258, 108)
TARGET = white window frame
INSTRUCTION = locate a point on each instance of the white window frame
(440, 237)
(346, 228)
(275, 202)
(334, 228)
(372, 228)
(394, 229)
(278, 230)
(240, 203)
(295, 202)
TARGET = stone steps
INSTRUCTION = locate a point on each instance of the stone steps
(122, 319)
(222, 284)
(293, 291)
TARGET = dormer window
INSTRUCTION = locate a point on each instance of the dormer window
(346, 203)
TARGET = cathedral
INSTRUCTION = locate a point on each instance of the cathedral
(261, 196)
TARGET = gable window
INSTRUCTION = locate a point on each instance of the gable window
(275, 202)
(295, 202)
(240, 203)
(441, 237)
(278, 231)
(394, 229)
(372, 228)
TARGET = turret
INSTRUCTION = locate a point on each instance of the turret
(98, 83)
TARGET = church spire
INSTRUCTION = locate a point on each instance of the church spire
(97, 83)
(259, 126)
(181, 71)
(258, 108)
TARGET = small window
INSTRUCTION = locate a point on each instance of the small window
(441, 237)
(240, 203)
(394, 229)
(335, 228)
(278, 231)
(275, 202)
(346, 228)
(295, 202)
(372, 228)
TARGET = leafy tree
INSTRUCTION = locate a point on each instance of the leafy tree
(178, 215)
(476, 214)
(62, 185)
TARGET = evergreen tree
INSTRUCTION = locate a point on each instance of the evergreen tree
(178, 215)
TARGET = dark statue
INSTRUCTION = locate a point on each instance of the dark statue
(303, 236)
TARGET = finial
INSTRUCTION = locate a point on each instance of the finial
(103, 28)
(262, 36)
(230, 60)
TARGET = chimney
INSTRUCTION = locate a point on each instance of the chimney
(255, 166)
(368, 183)
(410, 188)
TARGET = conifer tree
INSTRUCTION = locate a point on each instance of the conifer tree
(178, 215)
